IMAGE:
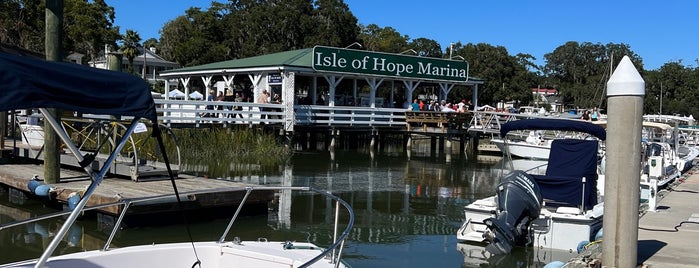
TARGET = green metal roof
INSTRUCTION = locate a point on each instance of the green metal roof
(295, 58)
(302, 58)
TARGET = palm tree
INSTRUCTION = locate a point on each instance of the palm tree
(131, 42)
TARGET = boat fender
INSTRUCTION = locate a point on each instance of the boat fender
(582, 245)
(73, 200)
(75, 235)
(554, 264)
(599, 234)
(42, 190)
(33, 183)
(41, 230)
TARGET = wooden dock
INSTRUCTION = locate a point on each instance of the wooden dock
(114, 189)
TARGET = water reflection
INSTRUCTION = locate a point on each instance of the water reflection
(407, 210)
(29, 240)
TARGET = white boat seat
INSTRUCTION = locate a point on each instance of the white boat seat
(568, 210)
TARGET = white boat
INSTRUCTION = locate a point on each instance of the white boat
(31, 131)
(687, 154)
(664, 157)
(558, 210)
(534, 146)
(220, 253)
(129, 97)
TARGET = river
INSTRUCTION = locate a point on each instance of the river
(407, 212)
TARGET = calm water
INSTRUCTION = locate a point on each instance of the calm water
(407, 213)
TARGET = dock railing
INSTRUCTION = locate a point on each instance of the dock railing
(441, 120)
(223, 112)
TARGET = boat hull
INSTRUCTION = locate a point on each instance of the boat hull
(523, 149)
(211, 254)
(556, 229)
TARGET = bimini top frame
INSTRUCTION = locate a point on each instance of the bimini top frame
(29, 83)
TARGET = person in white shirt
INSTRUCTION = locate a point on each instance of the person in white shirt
(448, 108)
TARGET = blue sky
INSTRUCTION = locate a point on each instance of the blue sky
(658, 31)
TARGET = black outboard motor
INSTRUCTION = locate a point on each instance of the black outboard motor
(519, 202)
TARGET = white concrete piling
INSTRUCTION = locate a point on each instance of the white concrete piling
(625, 93)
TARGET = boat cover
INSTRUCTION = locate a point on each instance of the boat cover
(27, 82)
(569, 161)
(554, 124)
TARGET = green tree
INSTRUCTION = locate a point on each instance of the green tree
(581, 70)
(246, 28)
(131, 43)
(507, 77)
(426, 47)
(333, 24)
(88, 25)
(671, 90)
(195, 38)
(152, 43)
(375, 38)
(22, 24)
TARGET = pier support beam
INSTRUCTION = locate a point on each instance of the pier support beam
(625, 92)
(331, 147)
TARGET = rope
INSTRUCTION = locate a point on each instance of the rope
(674, 229)
(158, 136)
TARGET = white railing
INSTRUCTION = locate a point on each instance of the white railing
(199, 112)
(348, 116)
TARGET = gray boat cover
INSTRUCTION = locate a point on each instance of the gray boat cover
(27, 83)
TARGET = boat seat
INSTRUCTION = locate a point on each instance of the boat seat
(571, 174)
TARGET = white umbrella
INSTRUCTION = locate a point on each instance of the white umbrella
(196, 95)
(176, 93)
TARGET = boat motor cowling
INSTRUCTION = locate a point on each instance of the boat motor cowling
(519, 202)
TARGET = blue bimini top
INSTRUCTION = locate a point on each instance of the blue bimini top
(27, 83)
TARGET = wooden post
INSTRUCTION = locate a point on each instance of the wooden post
(54, 29)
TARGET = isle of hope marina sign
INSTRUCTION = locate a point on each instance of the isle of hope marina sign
(339, 60)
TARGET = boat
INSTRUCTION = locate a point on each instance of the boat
(221, 253)
(534, 146)
(35, 84)
(558, 210)
(665, 156)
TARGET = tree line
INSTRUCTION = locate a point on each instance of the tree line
(245, 28)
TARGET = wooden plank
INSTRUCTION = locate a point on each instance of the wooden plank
(115, 189)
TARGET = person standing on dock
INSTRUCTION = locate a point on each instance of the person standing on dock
(228, 98)
(219, 107)
(586, 115)
(209, 107)
(263, 99)
(415, 106)
(595, 115)
(238, 98)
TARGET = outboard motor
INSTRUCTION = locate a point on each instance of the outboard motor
(519, 202)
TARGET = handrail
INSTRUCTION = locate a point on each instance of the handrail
(338, 243)
(193, 112)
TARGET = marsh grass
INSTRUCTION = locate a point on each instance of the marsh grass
(225, 152)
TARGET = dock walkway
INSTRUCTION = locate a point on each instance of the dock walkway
(113, 189)
(668, 237)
